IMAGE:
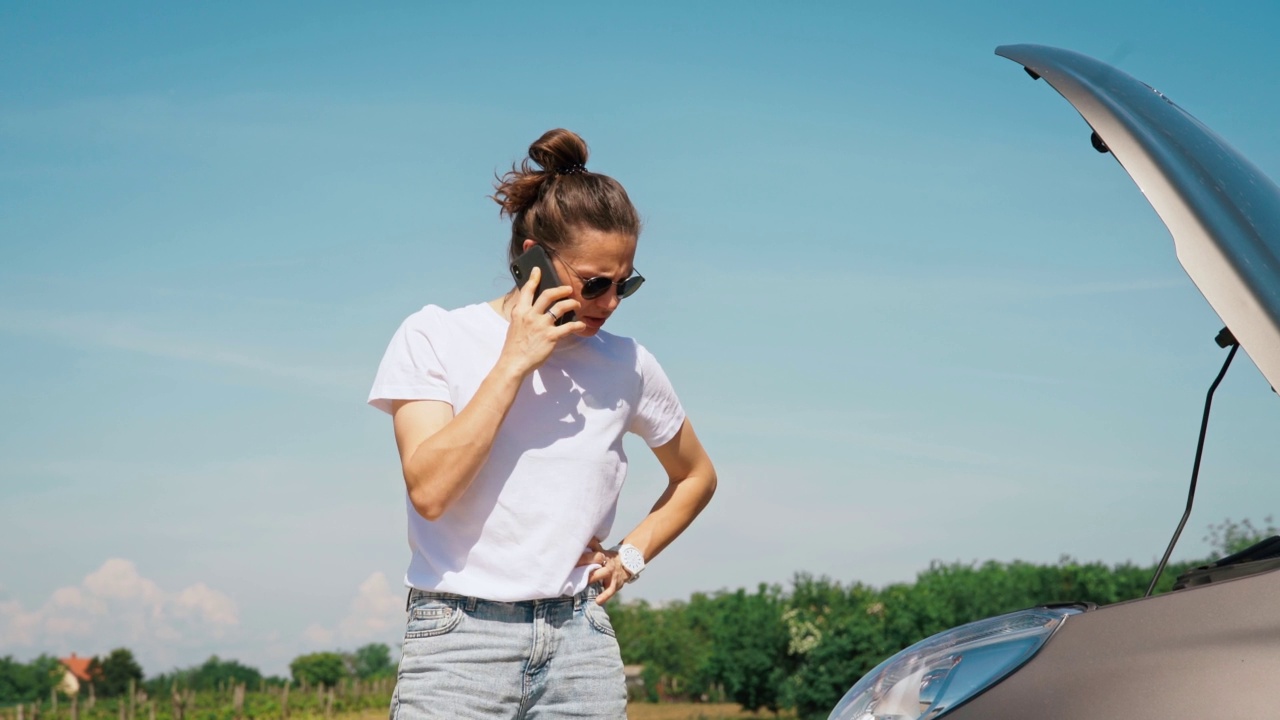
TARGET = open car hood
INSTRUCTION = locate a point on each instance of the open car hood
(1223, 212)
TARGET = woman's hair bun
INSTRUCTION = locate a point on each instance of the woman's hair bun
(551, 194)
(560, 151)
(557, 152)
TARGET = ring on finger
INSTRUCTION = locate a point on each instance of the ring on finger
(552, 314)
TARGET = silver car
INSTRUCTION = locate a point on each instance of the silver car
(1211, 647)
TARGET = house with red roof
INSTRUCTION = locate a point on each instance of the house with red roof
(77, 674)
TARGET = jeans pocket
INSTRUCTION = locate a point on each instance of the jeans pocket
(430, 616)
(597, 616)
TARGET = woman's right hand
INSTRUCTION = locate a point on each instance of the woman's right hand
(533, 332)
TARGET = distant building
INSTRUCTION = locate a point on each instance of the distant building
(635, 680)
(75, 676)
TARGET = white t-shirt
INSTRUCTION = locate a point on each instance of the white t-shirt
(553, 475)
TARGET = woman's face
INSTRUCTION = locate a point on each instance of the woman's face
(594, 253)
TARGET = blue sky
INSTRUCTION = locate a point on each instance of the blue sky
(913, 315)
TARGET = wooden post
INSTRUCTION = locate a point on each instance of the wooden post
(133, 698)
(75, 707)
(120, 708)
(328, 704)
(151, 709)
(53, 699)
(237, 702)
(177, 703)
(20, 714)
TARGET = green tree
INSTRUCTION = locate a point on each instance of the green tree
(117, 669)
(749, 642)
(671, 642)
(1231, 537)
(13, 679)
(372, 661)
(212, 674)
(215, 672)
(94, 671)
(28, 682)
(835, 635)
(322, 668)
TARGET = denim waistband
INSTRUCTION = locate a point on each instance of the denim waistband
(589, 593)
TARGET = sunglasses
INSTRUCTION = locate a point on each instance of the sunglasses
(594, 287)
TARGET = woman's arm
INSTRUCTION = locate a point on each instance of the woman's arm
(440, 451)
(691, 481)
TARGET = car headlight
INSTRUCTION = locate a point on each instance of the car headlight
(939, 673)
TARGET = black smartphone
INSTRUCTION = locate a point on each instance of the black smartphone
(536, 257)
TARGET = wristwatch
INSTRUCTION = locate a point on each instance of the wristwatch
(631, 558)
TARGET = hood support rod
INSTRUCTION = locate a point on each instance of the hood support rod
(1224, 339)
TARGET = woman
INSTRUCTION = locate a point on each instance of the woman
(509, 423)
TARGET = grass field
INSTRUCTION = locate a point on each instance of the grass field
(662, 711)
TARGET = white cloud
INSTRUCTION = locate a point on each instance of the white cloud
(119, 580)
(376, 611)
(376, 614)
(116, 606)
(317, 636)
(203, 602)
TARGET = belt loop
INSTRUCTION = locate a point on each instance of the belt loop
(577, 601)
(408, 600)
(471, 604)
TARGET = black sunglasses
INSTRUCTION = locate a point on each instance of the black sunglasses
(594, 287)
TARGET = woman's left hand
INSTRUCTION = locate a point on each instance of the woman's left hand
(610, 574)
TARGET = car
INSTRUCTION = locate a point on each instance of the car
(1211, 646)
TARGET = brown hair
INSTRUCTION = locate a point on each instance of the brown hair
(548, 202)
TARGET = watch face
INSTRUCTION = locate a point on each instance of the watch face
(632, 560)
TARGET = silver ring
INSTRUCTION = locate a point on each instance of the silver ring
(557, 317)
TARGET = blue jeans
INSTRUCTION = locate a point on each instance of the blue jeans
(466, 658)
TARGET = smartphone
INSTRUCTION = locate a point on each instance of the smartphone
(536, 257)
